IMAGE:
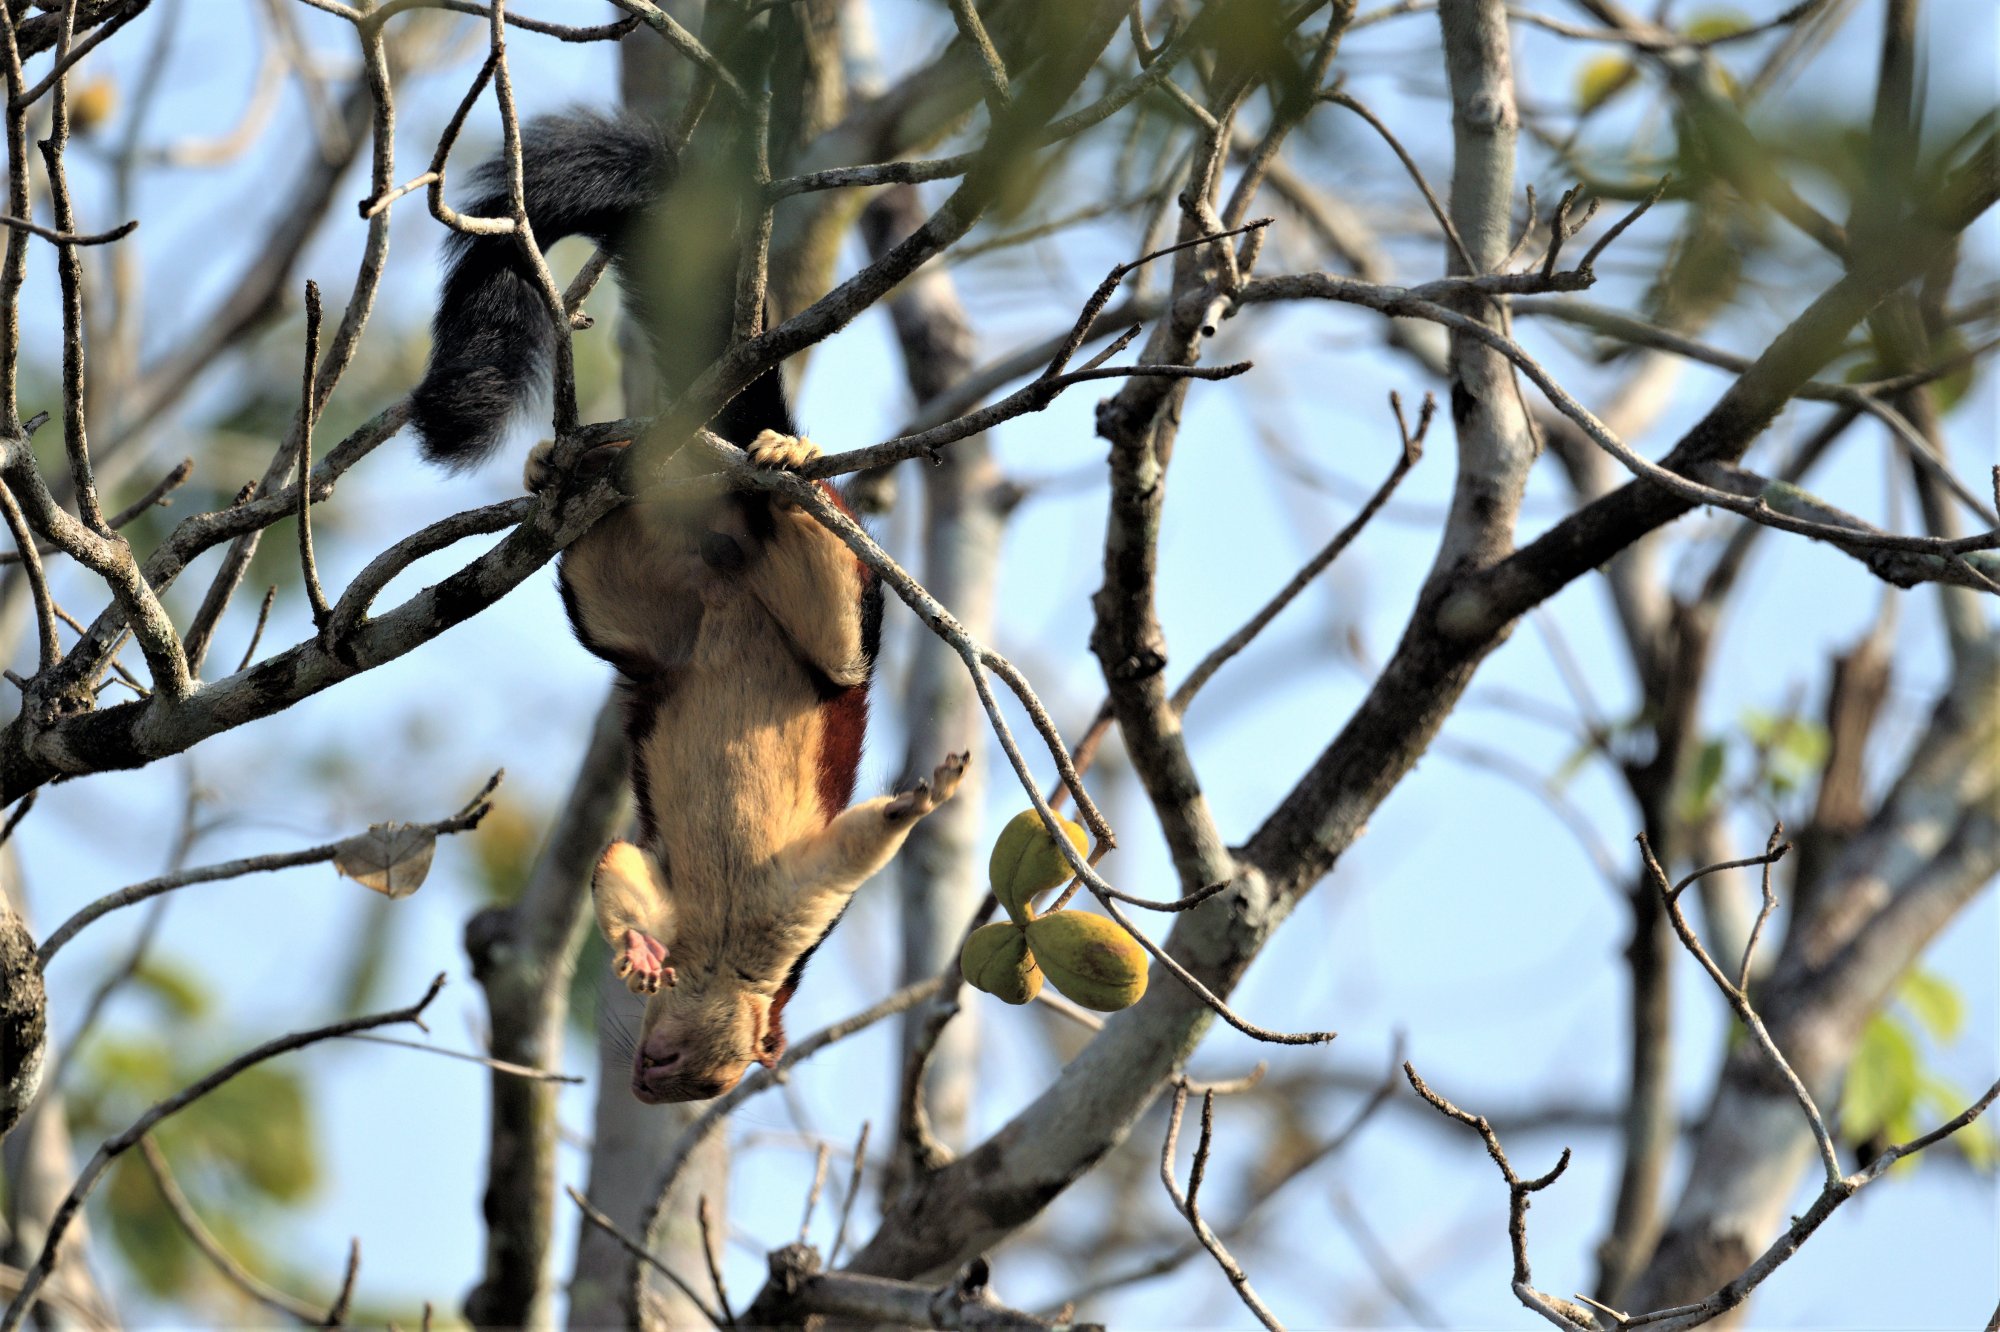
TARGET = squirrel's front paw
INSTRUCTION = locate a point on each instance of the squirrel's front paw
(539, 473)
(926, 796)
(641, 963)
(540, 469)
(771, 449)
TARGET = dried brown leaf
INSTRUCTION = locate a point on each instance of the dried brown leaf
(392, 858)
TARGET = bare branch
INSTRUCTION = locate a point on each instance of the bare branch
(685, 42)
(1187, 1205)
(1218, 656)
(1676, 483)
(257, 633)
(198, 1234)
(512, 1070)
(1770, 857)
(711, 1250)
(799, 1051)
(798, 1290)
(112, 1148)
(343, 1299)
(315, 594)
(466, 818)
(1562, 1314)
(847, 1201)
(562, 32)
(992, 71)
(1861, 397)
(68, 237)
(38, 584)
(1739, 1003)
(69, 55)
(639, 1251)
(1416, 174)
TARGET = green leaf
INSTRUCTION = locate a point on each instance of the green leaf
(177, 988)
(1934, 1003)
(1708, 770)
(1703, 780)
(1882, 1081)
(148, 1238)
(1949, 389)
(259, 1124)
(1805, 743)
(1940, 1099)
(1715, 24)
(1602, 79)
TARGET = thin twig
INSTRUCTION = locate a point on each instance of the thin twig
(564, 376)
(1770, 904)
(1518, 1190)
(1348, 100)
(685, 42)
(846, 1202)
(38, 1274)
(466, 818)
(639, 1251)
(761, 1080)
(14, 817)
(315, 594)
(70, 237)
(711, 1252)
(67, 55)
(70, 268)
(1739, 1002)
(487, 1061)
(38, 583)
(1617, 228)
(1101, 297)
(1413, 447)
(821, 1158)
(562, 32)
(165, 486)
(1188, 1206)
(435, 177)
(343, 1300)
(211, 1248)
(257, 633)
(130, 680)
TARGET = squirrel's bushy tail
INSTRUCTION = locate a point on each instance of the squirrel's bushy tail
(492, 337)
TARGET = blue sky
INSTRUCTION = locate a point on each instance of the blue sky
(1466, 918)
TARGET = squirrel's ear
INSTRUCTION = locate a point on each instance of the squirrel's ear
(771, 1031)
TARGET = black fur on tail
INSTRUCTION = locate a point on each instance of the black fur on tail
(492, 338)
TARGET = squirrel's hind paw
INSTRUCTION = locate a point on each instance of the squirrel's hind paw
(926, 796)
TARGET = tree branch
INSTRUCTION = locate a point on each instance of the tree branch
(113, 1147)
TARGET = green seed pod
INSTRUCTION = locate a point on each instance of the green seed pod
(1027, 862)
(996, 959)
(1089, 958)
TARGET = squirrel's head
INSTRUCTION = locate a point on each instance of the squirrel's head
(702, 1033)
(728, 976)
